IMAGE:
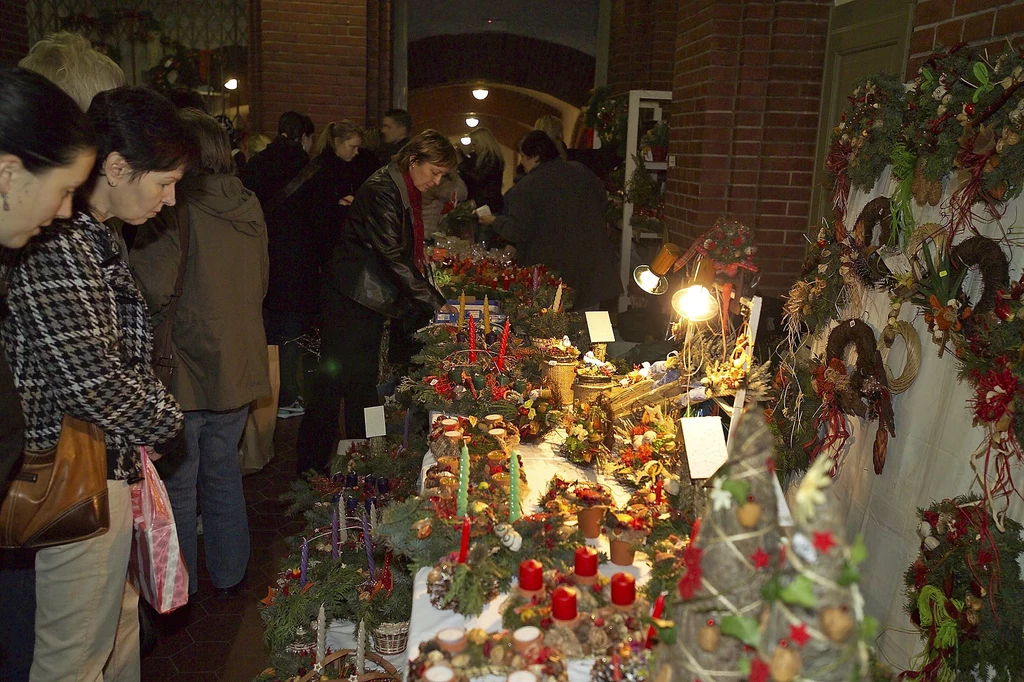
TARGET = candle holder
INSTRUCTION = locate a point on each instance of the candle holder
(501, 479)
(438, 673)
(454, 436)
(448, 463)
(527, 638)
(492, 420)
(452, 640)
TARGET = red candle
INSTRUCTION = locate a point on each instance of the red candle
(531, 575)
(472, 339)
(563, 603)
(623, 589)
(657, 491)
(659, 611)
(502, 348)
(464, 547)
(586, 562)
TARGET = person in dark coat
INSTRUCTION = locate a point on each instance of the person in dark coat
(395, 129)
(555, 216)
(292, 296)
(484, 170)
(325, 198)
(376, 273)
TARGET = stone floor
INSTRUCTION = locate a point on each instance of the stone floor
(223, 640)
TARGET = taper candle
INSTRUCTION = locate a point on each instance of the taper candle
(335, 524)
(514, 503)
(472, 339)
(368, 542)
(463, 498)
(487, 315)
(658, 489)
(464, 544)
(558, 299)
(503, 347)
(304, 562)
(321, 636)
(462, 309)
(536, 280)
(659, 611)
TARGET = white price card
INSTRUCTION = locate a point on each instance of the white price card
(483, 211)
(705, 445)
(600, 326)
(374, 417)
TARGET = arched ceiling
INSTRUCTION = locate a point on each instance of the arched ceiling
(509, 113)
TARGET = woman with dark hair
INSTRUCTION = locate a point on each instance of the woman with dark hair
(376, 273)
(40, 168)
(218, 340)
(79, 343)
(555, 216)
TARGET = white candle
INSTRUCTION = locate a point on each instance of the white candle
(439, 673)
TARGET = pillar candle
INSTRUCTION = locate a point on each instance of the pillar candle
(487, 315)
(463, 498)
(563, 603)
(623, 589)
(531, 575)
(472, 339)
(586, 562)
(464, 545)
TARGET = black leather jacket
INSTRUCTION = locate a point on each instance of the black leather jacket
(373, 260)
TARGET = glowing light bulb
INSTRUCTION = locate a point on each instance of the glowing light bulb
(695, 303)
(466, 140)
(480, 93)
(472, 122)
(231, 84)
(650, 281)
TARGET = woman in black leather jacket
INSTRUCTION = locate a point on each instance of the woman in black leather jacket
(376, 273)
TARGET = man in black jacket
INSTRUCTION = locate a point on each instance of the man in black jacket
(292, 298)
(395, 129)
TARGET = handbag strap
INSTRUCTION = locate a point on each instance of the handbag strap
(309, 170)
(181, 212)
(164, 360)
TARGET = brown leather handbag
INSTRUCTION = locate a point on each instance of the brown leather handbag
(60, 494)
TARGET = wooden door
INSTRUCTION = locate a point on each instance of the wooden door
(864, 37)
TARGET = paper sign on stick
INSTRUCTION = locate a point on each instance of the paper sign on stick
(705, 445)
(600, 326)
(374, 417)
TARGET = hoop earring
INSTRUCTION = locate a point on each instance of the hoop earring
(7, 207)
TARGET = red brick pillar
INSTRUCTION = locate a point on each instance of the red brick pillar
(13, 32)
(378, 60)
(310, 57)
(746, 95)
(642, 44)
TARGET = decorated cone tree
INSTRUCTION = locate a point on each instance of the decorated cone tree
(816, 628)
(727, 563)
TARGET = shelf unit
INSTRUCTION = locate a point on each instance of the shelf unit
(638, 101)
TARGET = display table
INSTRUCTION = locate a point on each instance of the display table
(540, 463)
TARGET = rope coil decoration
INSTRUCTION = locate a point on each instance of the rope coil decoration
(901, 329)
(876, 213)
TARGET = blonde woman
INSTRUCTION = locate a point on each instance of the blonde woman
(552, 125)
(70, 61)
(483, 170)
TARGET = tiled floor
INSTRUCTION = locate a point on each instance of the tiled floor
(223, 640)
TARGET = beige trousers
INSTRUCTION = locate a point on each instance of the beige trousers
(87, 614)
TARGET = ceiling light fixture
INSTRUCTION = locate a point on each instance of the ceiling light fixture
(466, 140)
(472, 121)
(480, 93)
(231, 84)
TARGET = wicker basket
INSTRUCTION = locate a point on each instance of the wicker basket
(391, 638)
(544, 343)
(559, 377)
(586, 389)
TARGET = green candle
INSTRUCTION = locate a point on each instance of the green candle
(514, 504)
(463, 500)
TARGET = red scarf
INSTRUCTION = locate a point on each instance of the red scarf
(416, 203)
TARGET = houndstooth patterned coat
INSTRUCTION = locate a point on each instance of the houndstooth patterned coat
(78, 341)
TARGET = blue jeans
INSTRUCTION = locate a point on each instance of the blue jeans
(210, 467)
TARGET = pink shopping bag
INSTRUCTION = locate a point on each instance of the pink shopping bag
(156, 568)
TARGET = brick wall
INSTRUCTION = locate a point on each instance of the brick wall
(642, 44)
(13, 32)
(940, 24)
(378, 60)
(312, 57)
(746, 96)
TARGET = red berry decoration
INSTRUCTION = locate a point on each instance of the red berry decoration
(969, 109)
